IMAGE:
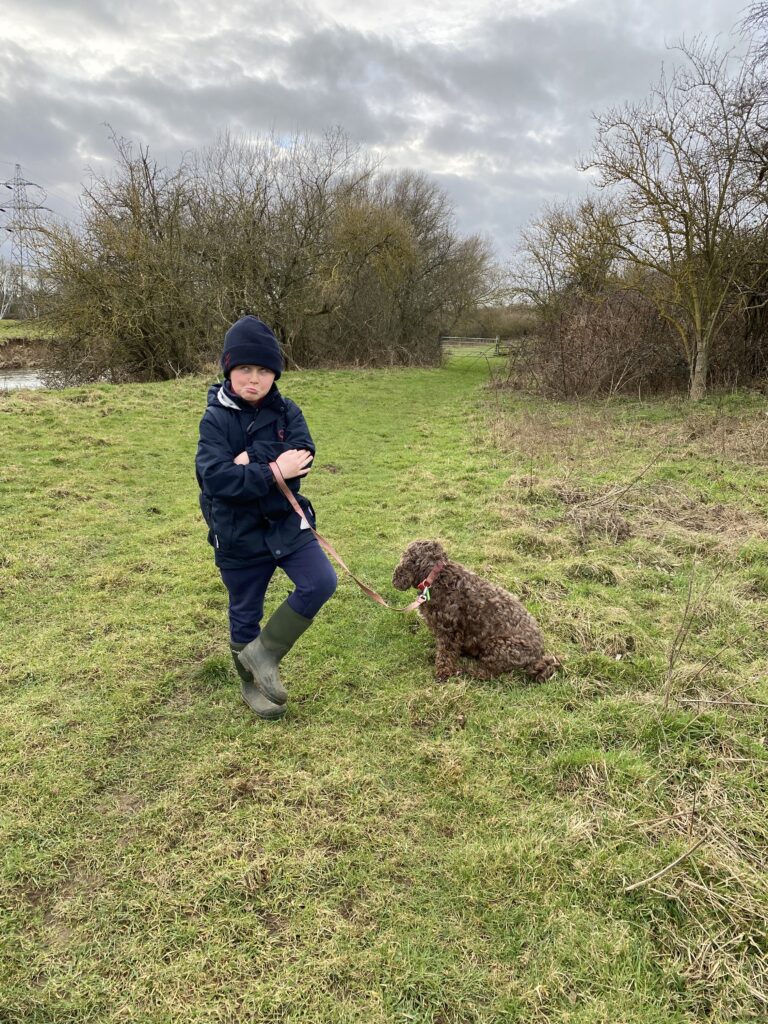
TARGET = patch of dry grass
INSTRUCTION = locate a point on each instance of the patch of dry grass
(651, 572)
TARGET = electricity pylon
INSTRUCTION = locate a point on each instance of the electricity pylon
(22, 220)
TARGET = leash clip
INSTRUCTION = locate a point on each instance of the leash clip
(425, 594)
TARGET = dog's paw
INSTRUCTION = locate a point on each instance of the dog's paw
(444, 674)
(544, 668)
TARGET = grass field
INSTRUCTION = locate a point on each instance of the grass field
(16, 329)
(394, 850)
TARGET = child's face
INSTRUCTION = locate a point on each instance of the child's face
(251, 382)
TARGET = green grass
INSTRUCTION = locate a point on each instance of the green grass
(394, 850)
(27, 330)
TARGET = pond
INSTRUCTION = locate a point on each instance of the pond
(12, 380)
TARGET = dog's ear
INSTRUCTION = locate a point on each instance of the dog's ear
(412, 559)
(406, 572)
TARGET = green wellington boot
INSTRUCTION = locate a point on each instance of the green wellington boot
(251, 694)
(262, 655)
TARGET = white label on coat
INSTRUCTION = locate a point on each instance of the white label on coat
(304, 524)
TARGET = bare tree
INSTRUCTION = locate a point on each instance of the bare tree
(691, 203)
(569, 249)
(267, 209)
(450, 273)
(754, 25)
(124, 296)
(345, 264)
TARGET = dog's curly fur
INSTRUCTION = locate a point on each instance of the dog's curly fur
(474, 618)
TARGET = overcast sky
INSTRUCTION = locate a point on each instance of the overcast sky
(493, 99)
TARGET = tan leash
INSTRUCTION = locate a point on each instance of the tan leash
(423, 587)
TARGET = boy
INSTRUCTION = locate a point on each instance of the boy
(251, 526)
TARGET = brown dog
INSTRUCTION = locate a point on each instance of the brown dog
(470, 616)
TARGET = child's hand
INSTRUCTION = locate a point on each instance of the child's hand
(295, 462)
(242, 459)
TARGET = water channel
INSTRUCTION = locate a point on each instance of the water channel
(12, 380)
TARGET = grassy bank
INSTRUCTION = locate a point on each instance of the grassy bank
(22, 330)
(23, 344)
(394, 850)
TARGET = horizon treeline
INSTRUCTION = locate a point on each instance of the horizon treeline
(348, 265)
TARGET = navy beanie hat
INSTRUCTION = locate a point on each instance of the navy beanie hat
(250, 341)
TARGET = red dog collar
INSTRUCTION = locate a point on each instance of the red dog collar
(423, 587)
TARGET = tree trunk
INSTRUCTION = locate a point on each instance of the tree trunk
(700, 371)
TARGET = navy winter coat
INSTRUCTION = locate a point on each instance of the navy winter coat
(249, 520)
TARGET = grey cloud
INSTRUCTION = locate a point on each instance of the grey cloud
(514, 101)
(498, 205)
(115, 15)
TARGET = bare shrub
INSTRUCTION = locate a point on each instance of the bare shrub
(612, 344)
(127, 296)
(740, 353)
(346, 264)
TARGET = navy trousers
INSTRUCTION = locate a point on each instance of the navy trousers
(308, 568)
